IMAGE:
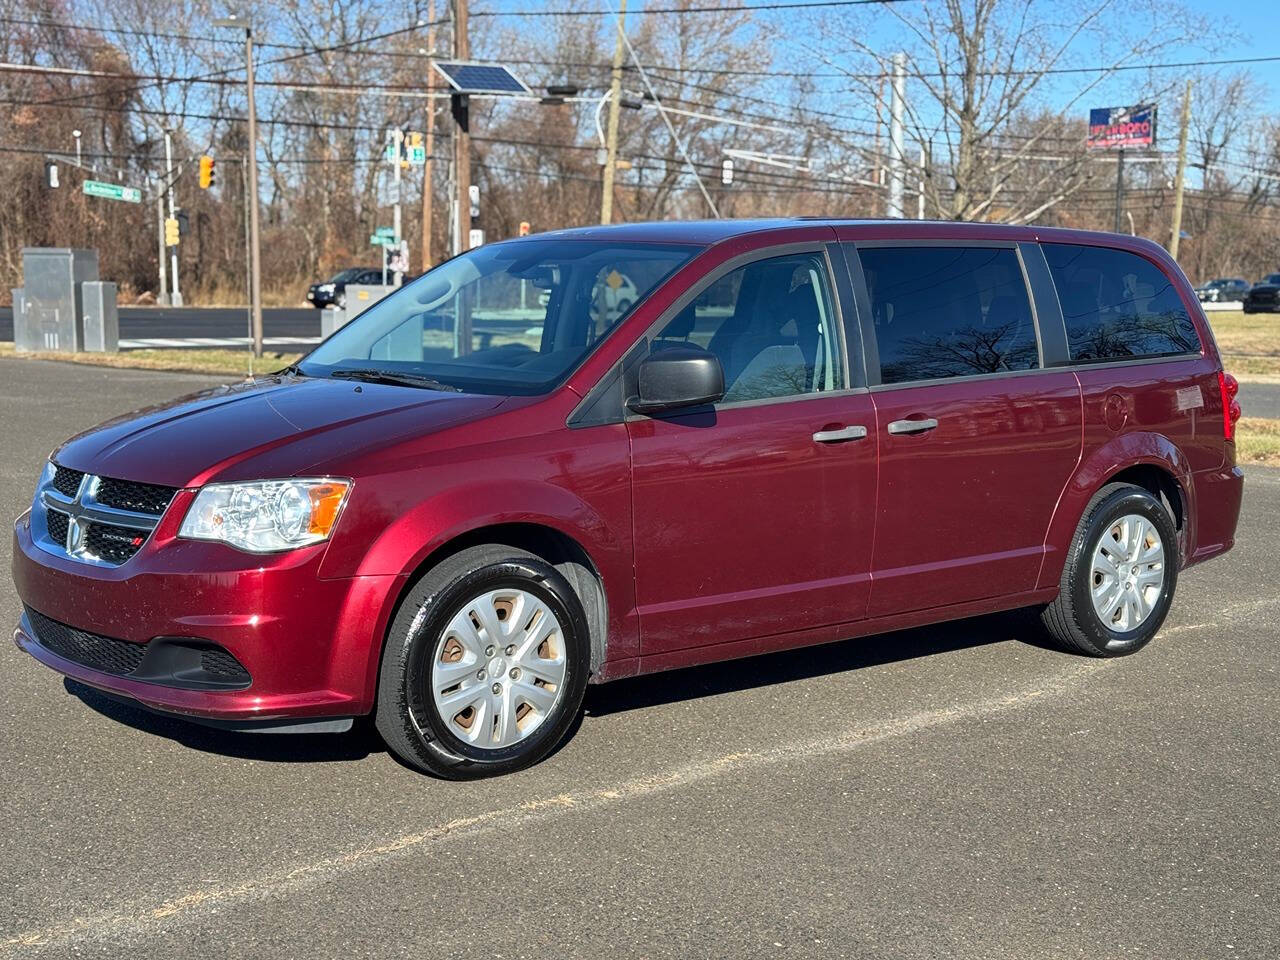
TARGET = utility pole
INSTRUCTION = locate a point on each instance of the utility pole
(173, 251)
(1119, 225)
(255, 242)
(427, 197)
(920, 197)
(255, 245)
(897, 158)
(397, 140)
(461, 134)
(611, 138)
(1182, 171)
(163, 299)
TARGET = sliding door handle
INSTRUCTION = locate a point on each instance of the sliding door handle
(840, 435)
(912, 426)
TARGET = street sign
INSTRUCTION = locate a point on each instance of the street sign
(476, 237)
(112, 191)
(378, 240)
(417, 156)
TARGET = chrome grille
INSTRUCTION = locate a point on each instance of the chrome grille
(98, 520)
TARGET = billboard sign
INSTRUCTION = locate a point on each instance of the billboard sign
(1119, 127)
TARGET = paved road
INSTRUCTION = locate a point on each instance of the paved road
(1260, 399)
(151, 323)
(956, 792)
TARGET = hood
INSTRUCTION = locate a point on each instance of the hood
(279, 424)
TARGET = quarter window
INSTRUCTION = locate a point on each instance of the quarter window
(772, 326)
(948, 311)
(1118, 305)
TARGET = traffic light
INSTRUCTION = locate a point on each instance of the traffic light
(524, 228)
(207, 177)
(171, 232)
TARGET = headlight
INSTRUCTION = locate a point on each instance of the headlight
(266, 516)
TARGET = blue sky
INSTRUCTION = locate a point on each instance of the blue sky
(1255, 21)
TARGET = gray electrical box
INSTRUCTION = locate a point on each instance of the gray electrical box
(18, 305)
(362, 296)
(331, 319)
(52, 301)
(101, 321)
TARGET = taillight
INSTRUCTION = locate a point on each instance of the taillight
(1230, 405)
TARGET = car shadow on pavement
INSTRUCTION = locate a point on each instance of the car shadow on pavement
(691, 683)
(355, 744)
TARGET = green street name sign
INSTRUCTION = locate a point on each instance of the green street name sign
(380, 241)
(112, 191)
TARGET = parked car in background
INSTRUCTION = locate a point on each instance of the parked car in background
(802, 431)
(334, 290)
(1223, 290)
(1264, 296)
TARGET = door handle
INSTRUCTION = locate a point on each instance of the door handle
(843, 433)
(912, 426)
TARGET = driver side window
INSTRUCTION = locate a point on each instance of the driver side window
(772, 326)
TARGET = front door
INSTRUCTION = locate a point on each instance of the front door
(977, 440)
(753, 518)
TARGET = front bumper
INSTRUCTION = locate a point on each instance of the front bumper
(310, 646)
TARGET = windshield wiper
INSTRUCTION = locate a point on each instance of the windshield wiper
(399, 379)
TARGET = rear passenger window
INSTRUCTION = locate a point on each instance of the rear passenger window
(1118, 305)
(772, 326)
(948, 311)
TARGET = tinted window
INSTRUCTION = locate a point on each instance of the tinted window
(1118, 305)
(948, 311)
(771, 324)
(504, 318)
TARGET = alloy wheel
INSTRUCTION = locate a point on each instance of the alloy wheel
(1127, 573)
(500, 669)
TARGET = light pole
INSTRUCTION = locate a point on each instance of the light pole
(76, 134)
(175, 295)
(255, 250)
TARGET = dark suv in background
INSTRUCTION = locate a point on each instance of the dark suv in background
(1223, 290)
(334, 290)
(469, 502)
(1264, 296)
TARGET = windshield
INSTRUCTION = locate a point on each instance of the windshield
(1272, 278)
(505, 318)
(346, 276)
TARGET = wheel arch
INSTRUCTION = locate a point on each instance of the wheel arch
(1148, 460)
(554, 545)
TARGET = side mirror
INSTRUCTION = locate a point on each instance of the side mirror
(678, 377)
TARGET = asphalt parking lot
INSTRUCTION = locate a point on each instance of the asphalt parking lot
(955, 791)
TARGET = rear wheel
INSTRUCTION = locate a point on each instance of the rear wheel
(485, 666)
(1120, 575)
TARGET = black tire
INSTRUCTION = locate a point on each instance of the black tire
(1071, 618)
(405, 716)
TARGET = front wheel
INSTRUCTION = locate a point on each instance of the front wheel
(485, 666)
(1120, 575)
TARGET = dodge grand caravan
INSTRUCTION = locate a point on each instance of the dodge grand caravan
(472, 501)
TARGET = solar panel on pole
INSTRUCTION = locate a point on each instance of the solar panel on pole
(475, 78)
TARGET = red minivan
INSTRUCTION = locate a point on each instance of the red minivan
(502, 483)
